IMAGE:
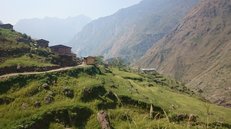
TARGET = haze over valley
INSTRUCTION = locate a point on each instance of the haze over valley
(124, 64)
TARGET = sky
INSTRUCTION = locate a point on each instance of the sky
(14, 10)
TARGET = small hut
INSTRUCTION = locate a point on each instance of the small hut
(90, 60)
(61, 50)
(42, 43)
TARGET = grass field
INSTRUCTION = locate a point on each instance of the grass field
(26, 61)
(18, 49)
(126, 96)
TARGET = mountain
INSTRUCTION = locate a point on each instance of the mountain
(198, 51)
(1, 22)
(130, 32)
(55, 30)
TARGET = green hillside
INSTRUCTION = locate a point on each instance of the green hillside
(72, 99)
(20, 50)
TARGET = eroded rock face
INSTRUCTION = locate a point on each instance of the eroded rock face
(103, 120)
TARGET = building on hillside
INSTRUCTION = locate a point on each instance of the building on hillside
(148, 70)
(90, 60)
(61, 50)
(42, 43)
(6, 26)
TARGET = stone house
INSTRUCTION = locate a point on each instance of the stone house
(6, 26)
(42, 43)
(148, 70)
(61, 50)
(90, 60)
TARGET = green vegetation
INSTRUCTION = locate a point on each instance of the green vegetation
(9, 38)
(41, 101)
(117, 62)
(20, 50)
(26, 61)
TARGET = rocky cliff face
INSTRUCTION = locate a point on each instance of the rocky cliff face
(198, 51)
(55, 30)
(130, 32)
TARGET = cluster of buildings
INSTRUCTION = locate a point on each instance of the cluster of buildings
(65, 51)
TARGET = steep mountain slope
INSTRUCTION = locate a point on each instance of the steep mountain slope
(53, 29)
(130, 32)
(74, 98)
(198, 51)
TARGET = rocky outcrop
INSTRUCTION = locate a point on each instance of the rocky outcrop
(103, 120)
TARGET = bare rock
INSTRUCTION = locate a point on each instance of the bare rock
(103, 119)
(192, 118)
(46, 86)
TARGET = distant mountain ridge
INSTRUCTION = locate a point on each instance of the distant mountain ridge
(198, 51)
(55, 30)
(130, 32)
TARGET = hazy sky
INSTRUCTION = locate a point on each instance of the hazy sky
(13, 10)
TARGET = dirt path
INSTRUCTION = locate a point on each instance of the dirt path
(34, 73)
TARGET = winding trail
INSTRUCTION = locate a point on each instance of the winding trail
(34, 73)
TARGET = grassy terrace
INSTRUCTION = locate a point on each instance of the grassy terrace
(26, 61)
(126, 96)
(24, 54)
(9, 40)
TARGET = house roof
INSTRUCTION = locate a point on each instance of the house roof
(59, 46)
(42, 41)
(148, 69)
(90, 57)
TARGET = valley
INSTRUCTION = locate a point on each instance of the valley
(157, 64)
